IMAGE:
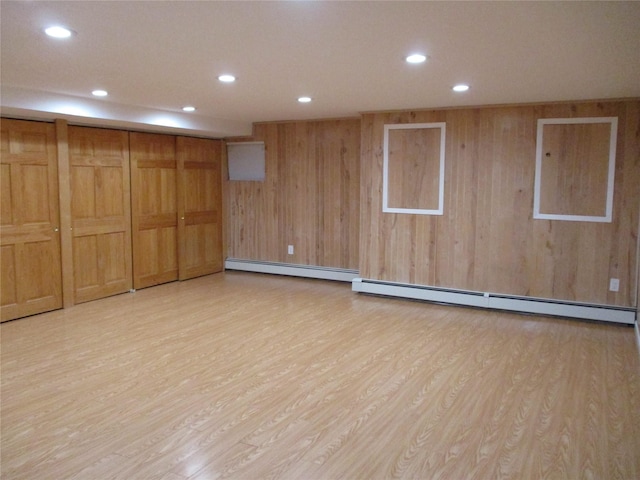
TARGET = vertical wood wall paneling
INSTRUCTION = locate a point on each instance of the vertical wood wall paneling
(309, 199)
(154, 211)
(199, 206)
(487, 239)
(414, 168)
(100, 211)
(572, 189)
(29, 232)
(66, 232)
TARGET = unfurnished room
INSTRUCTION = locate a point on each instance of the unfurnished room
(319, 240)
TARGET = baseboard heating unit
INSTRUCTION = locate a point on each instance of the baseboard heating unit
(541, 306)
(291, 269)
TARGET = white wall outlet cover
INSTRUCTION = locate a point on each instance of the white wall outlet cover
(614, 284)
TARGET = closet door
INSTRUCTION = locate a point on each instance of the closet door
(154, 214)
(29, 231)
(199, 206)
(100, 212)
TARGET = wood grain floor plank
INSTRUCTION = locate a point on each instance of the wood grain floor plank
(241, 375)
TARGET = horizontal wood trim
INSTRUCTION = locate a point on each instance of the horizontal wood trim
(196, 218)
(99, 226)
(157, 221)
(88, 161)
(89, 293)
(169, 164)
(26, 234)
(23, 159)
(157, 279)
(30, 307)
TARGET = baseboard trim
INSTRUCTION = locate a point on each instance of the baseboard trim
(541, 306)
(291, 269)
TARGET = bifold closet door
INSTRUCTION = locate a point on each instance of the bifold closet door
(199, 206)
(29, 231)
(100, 212)
(154, 215)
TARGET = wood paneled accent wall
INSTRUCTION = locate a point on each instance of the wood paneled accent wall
(487, 239)
(309, 199)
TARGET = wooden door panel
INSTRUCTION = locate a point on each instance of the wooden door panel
(85, 251)
(144, 264)
(157, 261)
(111, 185)
(113, 260)
(35, 197)
(36, 255)
(202, 244)
(100, 212)
(29, 235)
(83, 202)
(154, 209)
(8, 290)
(199, 206)
(6, 195)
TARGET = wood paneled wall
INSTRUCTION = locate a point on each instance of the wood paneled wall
(309, 199)
(487, 239)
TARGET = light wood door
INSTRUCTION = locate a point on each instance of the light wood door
(100, 212)
(29, 232)
(199, 206)
(154, 215)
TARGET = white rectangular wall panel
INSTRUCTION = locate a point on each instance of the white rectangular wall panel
(387, 207)
(246, 161)
(564, 157)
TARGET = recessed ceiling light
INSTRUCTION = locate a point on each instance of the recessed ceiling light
(416, 58)
(226, 78)
(58, 32)
(188, 108)
(304, 99)
(460, 88)
(99, 93)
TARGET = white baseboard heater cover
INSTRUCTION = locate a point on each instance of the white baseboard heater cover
(291, 269)
(539, 306)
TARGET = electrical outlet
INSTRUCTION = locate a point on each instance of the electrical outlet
(614, 284)
(290, 250)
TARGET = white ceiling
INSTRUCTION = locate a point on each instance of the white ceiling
(155, 57)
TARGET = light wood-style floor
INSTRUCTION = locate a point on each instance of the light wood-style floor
(248, 376)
